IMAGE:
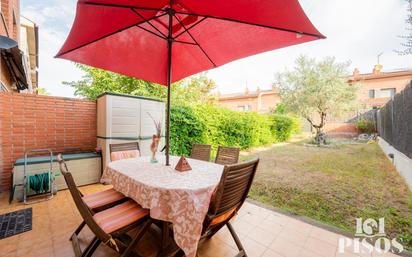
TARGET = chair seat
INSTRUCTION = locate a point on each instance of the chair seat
(103, 198)
(120, 216)
(121, 155)
(223, 217)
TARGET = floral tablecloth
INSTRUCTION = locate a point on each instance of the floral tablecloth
(181, 198)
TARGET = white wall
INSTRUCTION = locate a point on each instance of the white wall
(402, 162)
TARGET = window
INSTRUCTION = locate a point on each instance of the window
(372, 93)
(3, 88)
(244, 108)
(388, 92)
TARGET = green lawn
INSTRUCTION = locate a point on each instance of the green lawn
(335, 185)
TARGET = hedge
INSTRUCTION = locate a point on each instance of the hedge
(208, 124)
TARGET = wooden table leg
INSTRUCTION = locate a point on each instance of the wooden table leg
(164, 250)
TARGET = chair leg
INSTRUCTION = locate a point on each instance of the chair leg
(180, 253)
(91, 247)
(129, 250)
(239, 245)
(214, 231)
(79, 228)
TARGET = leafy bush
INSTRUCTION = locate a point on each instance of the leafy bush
(366, 126)
(208, 124)
(186, 129)
(281, 127)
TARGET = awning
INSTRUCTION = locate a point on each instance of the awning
(13, 58)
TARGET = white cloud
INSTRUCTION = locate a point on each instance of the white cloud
(356, 30)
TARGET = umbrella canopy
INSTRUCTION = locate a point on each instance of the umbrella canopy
(163, 41)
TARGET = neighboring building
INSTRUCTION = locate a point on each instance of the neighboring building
(378, 87)
(18, 50)
(30, 46)
(261, 101)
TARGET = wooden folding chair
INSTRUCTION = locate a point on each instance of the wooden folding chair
(124, 151)
(109, 226)
(229, 198)
(201, 152)
(227, 155)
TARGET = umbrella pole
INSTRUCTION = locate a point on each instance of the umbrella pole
(169, 76)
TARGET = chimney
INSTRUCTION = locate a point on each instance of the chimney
(246, 90)
(356, 73)
(377, 69)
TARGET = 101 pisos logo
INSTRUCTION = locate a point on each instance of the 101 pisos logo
(370, 236)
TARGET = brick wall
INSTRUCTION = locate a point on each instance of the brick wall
(33, 122)
(11, 13)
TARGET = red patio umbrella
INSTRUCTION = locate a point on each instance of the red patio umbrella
(163, 41)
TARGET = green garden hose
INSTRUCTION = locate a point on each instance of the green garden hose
(39, 183)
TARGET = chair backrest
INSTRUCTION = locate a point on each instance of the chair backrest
(227, 155)
(232, 190)
(84, 210)
(201, 152)
(124, 151)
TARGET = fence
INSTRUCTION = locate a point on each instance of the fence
(32, 121)
(395, 121)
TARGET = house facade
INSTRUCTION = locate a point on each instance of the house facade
(378, 87)
(261, 101)
(18, 50)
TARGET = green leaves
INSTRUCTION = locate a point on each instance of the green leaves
(214, 125)
(317, 88)
(194, 90)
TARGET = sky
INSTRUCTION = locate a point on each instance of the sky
(356, 30)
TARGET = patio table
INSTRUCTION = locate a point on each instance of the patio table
(181, 198)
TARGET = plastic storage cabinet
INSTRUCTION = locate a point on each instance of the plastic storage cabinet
(126, 118)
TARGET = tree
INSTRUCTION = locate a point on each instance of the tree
(317, 90)
(196, 89)
(408, 38)
(42, 91)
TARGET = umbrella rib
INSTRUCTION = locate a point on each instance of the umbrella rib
(190, 27)
(254, 24)
(184, 42)
(151, 32)
(121, 6)
(108, 35)
(151, 25)
(194, 40)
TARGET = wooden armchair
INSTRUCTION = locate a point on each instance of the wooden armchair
(201, 152)
(124, 151)
(229, 198)
(109, 226)
(227, 155)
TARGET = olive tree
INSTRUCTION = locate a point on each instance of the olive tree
(407, 44)
(316, 90)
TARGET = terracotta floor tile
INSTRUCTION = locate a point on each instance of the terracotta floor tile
(262, 236)
(320, 247)
(213, 247)
(270, 253)
(329, 237)
(242, 227)
(295, 236)
(285, 247)
(263, 233)
(253, 248)
(270, 226)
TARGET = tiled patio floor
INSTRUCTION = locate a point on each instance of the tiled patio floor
(264, 233)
